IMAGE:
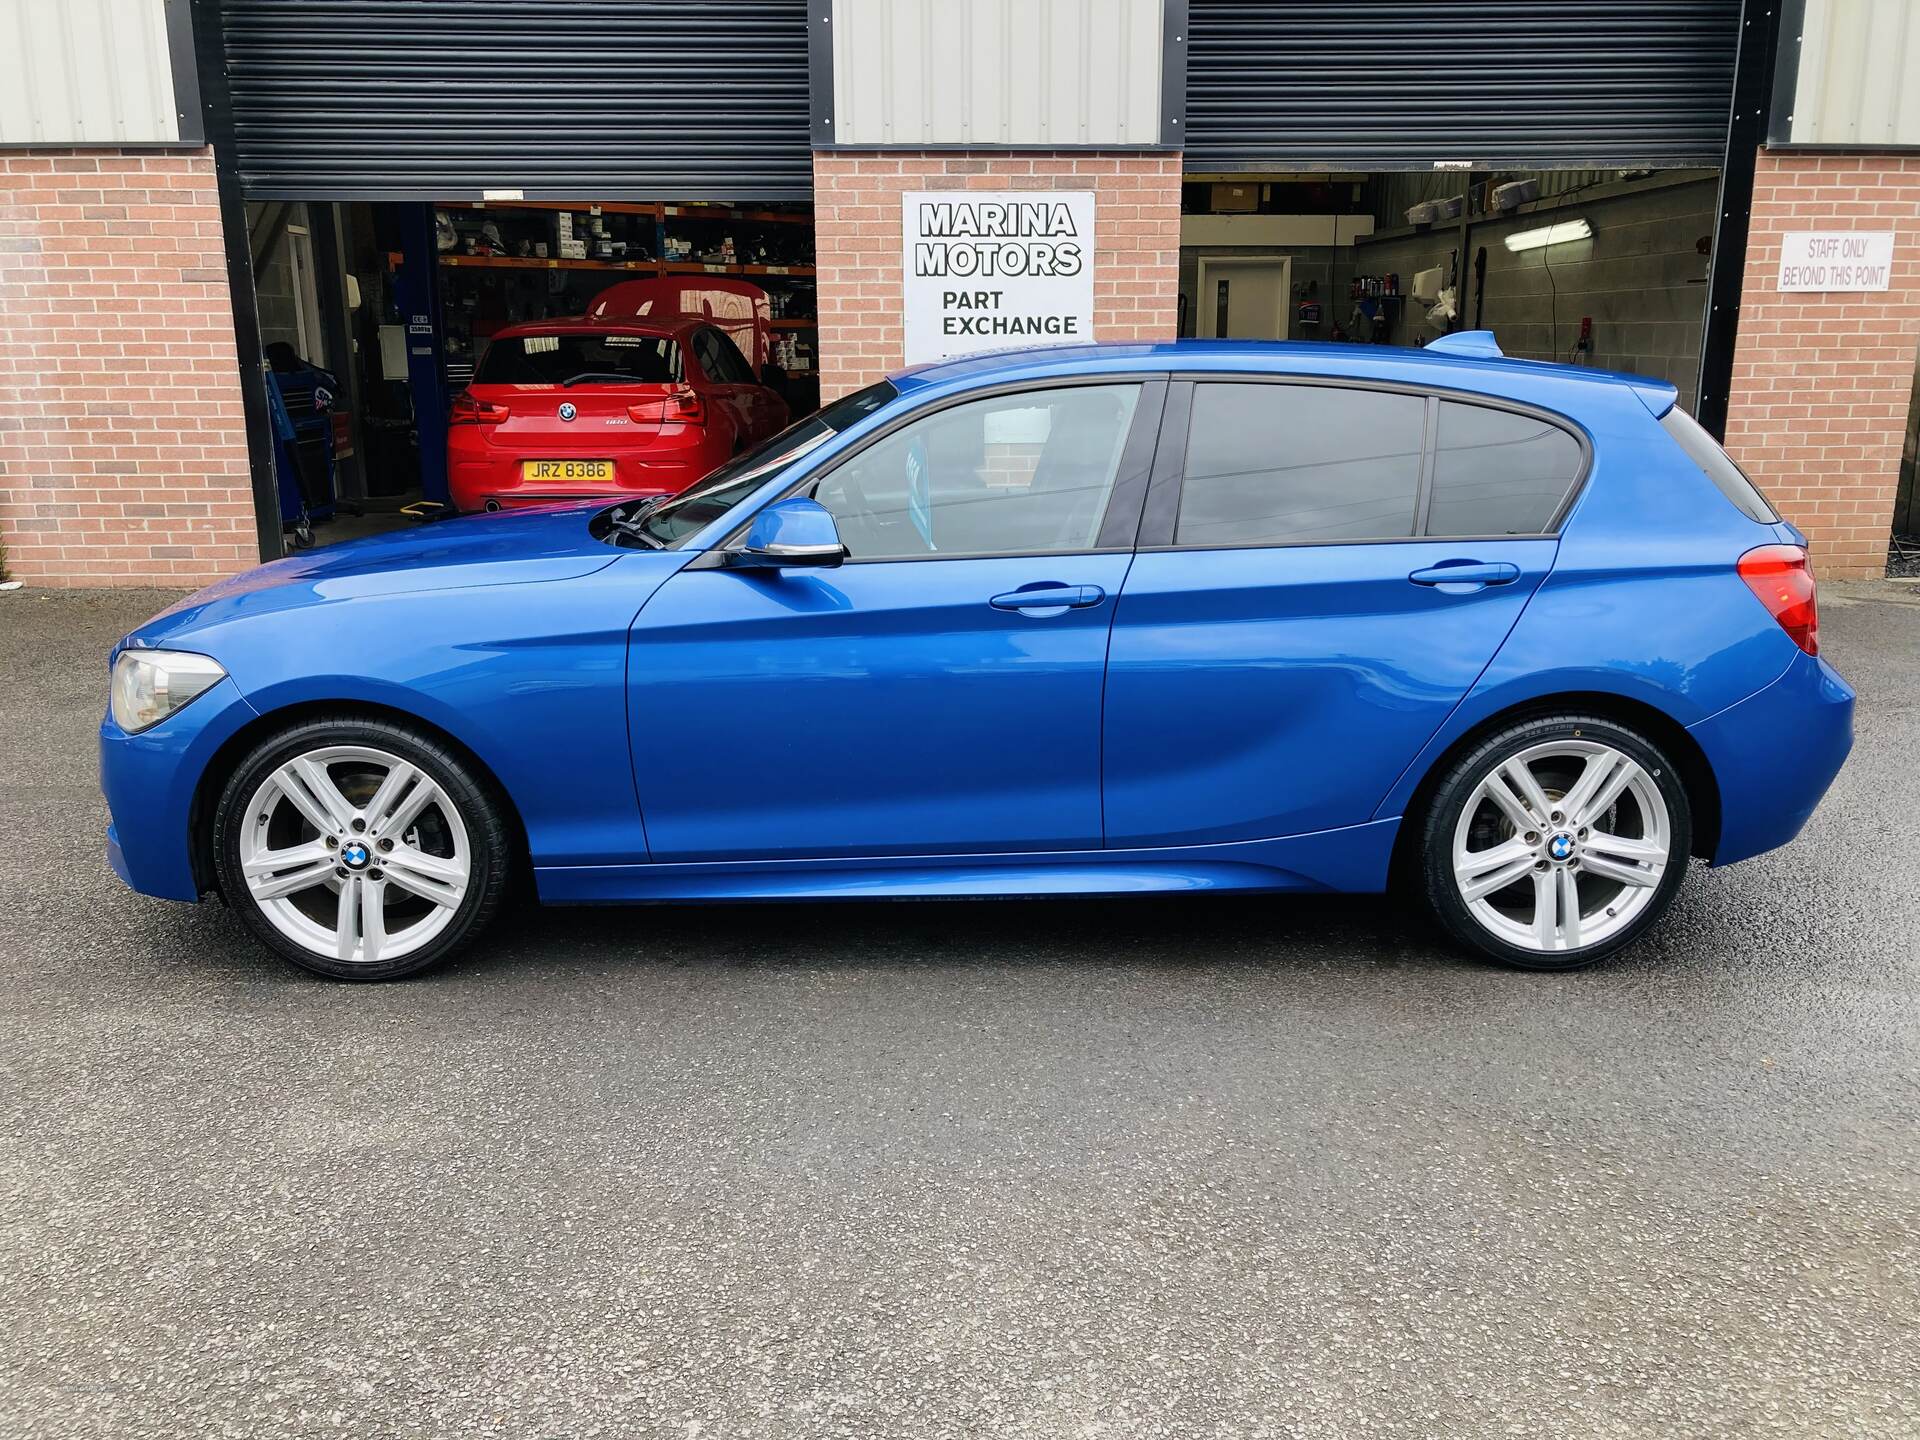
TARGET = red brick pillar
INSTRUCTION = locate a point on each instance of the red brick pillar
(1822, 381)
(857, 219)
(123, 451)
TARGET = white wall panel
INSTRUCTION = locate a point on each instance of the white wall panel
(1859, 81)
(997, 72)
(85, 72)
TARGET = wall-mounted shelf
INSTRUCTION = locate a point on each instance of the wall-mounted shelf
(536, 262)
(648, 267)
(693, 267)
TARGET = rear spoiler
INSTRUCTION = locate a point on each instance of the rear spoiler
(1657, 395)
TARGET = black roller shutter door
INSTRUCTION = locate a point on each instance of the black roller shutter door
(562, 99)
(1504, 84)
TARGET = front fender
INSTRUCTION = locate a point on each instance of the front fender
(531, 678)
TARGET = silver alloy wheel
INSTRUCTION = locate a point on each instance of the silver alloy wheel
(1561, 846)
(355, 854)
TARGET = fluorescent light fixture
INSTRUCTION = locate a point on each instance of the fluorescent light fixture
(1549, 235)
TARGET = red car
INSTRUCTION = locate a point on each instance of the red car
(602, 405)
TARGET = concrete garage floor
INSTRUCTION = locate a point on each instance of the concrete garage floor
(1253, 1168)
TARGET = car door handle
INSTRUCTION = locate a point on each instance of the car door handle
(1460, 577)
(1030, 599)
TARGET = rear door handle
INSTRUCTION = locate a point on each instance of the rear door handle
(1462, 577)
(1048, 598)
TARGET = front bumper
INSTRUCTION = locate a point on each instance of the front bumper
(1774, 754)
(150, 780)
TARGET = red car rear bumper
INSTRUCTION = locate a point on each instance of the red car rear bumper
(485, 476)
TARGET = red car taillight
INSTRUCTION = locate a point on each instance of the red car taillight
(1782, 576)
(469, 411)
(682, 406)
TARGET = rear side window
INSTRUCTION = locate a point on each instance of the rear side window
(1281, 464)
(1705, 452)
(1498, 472)
(720, 359)
(557, 359)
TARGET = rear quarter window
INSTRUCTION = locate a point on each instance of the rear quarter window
(1705, 451)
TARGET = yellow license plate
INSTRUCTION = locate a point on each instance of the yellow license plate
(540, 470)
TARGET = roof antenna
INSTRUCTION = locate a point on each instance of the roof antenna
(1469, 344)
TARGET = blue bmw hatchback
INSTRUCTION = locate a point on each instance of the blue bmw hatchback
(1101, 621)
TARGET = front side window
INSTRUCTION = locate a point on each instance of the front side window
(1498, 472)
(1014, 474)
(1292, 464)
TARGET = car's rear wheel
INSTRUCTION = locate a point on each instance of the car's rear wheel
(1556, 842)
(360, 849)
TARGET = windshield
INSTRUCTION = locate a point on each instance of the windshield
(564, 359)
(707, 499)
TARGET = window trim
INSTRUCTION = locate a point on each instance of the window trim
(1119, 530)
(1159, 529)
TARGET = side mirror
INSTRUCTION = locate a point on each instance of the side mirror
(788, 534)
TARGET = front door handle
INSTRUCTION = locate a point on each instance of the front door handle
(1463, 577)
(1048, 598)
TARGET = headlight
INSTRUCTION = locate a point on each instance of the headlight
(149, 685)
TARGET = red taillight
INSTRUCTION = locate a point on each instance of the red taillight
(1782, 576)
(469, 411)
(680, 406)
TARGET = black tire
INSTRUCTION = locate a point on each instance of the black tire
(1442, 818)
(482, 811)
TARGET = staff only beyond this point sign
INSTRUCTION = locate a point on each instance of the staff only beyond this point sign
(1836, 260)
(995, 270)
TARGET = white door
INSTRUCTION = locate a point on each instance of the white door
(1245, 297)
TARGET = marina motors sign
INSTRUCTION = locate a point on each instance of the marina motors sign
(993, 271)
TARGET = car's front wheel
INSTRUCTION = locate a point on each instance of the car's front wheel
(360, 849)
(1556, 842)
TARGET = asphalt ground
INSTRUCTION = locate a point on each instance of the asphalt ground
(1196, 1168)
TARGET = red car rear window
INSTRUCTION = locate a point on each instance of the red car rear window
(584, 359)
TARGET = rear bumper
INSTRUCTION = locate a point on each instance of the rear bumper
(1774, 754)
(483, 476)
(149, 780)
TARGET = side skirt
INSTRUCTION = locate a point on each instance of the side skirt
(1353, 859)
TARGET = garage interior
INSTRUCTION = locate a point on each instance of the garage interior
(1587, 267)
(373, 316)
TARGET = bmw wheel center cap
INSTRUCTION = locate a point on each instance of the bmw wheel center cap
(355, 855)
(1560, 847)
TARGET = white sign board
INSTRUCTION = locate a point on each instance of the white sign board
(992, 270)
(1836, 260)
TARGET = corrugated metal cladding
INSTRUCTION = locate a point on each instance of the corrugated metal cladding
(996, 72)
(586, 99)
(85, 72)
(1403, 84)
(1859, 74)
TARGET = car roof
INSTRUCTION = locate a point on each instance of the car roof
(657, 325)
(1475, 366)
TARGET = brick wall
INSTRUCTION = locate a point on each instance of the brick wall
(1822, 382)
(857, 220)
(123, 456)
